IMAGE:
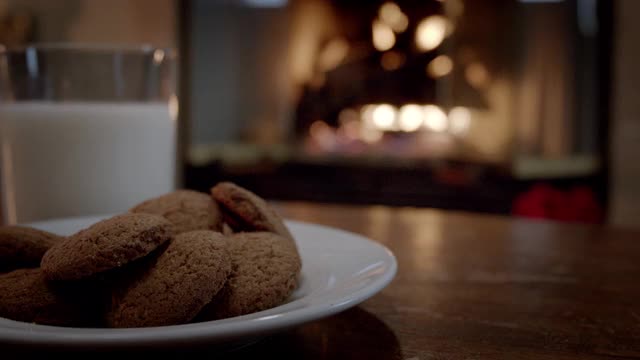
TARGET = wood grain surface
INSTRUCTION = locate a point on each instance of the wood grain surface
(479, 287)
(469, 287)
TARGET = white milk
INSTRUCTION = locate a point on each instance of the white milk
(71, 159)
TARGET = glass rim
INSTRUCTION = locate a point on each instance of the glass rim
(87, 47)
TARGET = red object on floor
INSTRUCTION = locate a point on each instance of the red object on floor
(543, 201)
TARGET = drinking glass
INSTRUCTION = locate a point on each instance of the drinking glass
(85, 129)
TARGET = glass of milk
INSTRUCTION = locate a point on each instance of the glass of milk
(85, 129)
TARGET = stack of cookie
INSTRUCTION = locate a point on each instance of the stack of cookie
(182, 257)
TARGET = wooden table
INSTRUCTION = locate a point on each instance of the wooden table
(469, 287)
(478, 287)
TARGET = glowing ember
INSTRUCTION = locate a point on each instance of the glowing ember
(383, 37)
(440, 66)
(431, 32)
(434, 118)
(459, 120)
(410, 117)
(384, 117)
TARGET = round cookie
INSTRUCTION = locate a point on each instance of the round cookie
(185, 277)
(187, 210)
(26, 296)
(245, 211)
(105, 245)
(265, 273)
(23, 247)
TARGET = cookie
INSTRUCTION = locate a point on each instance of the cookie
(264, 274)
(185, 277)
(26, 296)
(23, 247)
(245, 211)
(187, 210)
(106, 245)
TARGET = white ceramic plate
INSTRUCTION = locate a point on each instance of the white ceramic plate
(340, 270)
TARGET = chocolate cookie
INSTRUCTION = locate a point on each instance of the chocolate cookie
(26, 296)
(245, 211)
(23, 247)
(185, 277)
(105, 245)
(264, 274)
(187, 210)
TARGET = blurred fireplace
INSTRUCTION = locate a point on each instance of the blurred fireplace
(454, 104)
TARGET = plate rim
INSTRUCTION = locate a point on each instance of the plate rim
(234, 328)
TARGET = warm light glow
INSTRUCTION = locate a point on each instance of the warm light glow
(321, 133)
(477, 75)
(318, 128)
(370, 135)
(410, 117)
(434, 118)
(158, 56)
(430, 32)
(366, 115)
(400, 25)
(368, 131)
(391, 15)
(392, 60)
(348, 115)
(174, 107)
(459, 120)
(440, 66)
(333, 54)
(389, 12)
(384, 116)
(350, 129)
(383, 37)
